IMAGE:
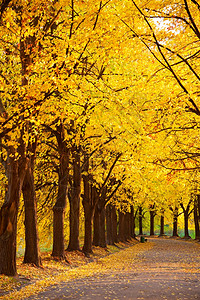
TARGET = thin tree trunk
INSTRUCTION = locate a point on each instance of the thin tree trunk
(152, 216)
(186, 229)
(102, 236)
(60, 205)
(121, 236)
(196, 221)
(96, 226)
(114, 224)
(140, 220)
(109, 227)
(8, 214)
(127, 227)
(32, 253)
(186, 212)
(175, 222)
(152, 223)
(162, 224)
(90, 199)
(133, 235)
(74, 200)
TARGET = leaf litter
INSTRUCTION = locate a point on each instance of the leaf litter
(32, 280)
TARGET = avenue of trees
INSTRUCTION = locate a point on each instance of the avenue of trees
(99, 117)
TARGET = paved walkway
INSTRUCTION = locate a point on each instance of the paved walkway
(169, 270)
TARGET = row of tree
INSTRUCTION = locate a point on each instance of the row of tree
(79, 124)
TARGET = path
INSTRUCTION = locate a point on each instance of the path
(169, 270)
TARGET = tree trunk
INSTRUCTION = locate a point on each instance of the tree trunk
(196, 220)
(60, 205)
(90, 199)
(102, 236)
(127, 226)
(175, 222)
(162, 224)
(87, 246)
(109, 227)
(121, 236)
(152, 222)
(99, 236)
(32, 253)
(96, 227)
(74, 201)
(140, 220)
(89, 202)
(111, 224)
(8, 214)
(198, 206)
(186, 219)
(152, 216)
(186, 212)
(15, 172)
(114, 224)
(133, 222)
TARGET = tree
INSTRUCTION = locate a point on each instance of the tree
(105, 192)
(175, 220)
(197, 216)
(140, 217)
(111, 224)
(162, 224)
(32, 253)
(186, 211)
(60, 205)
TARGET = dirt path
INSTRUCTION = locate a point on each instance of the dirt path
(170, 269)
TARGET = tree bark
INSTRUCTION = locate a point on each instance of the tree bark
(8, 214)
(152, 216)
(133, 216)
(196, 220)
(140, 220)
(60, 205)
(111, 225)
(186, 229)
(162, 224)
(186, 212)
(90, 199)
(102, 236)
(121, 235)
(15, 172)
(99, 236)
(127, 226)
(175, 222)
(74, 200)
(32, 253)
(151, 223)
(114, 224)
(96, 227)
(89, 202)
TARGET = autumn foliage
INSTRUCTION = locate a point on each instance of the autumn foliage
(99, 109)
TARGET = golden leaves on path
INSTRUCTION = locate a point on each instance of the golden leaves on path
(57, 272)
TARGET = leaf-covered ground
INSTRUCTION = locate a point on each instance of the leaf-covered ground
(159, 269)
(31, 280)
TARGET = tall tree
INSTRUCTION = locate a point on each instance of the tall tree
(60, 205)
